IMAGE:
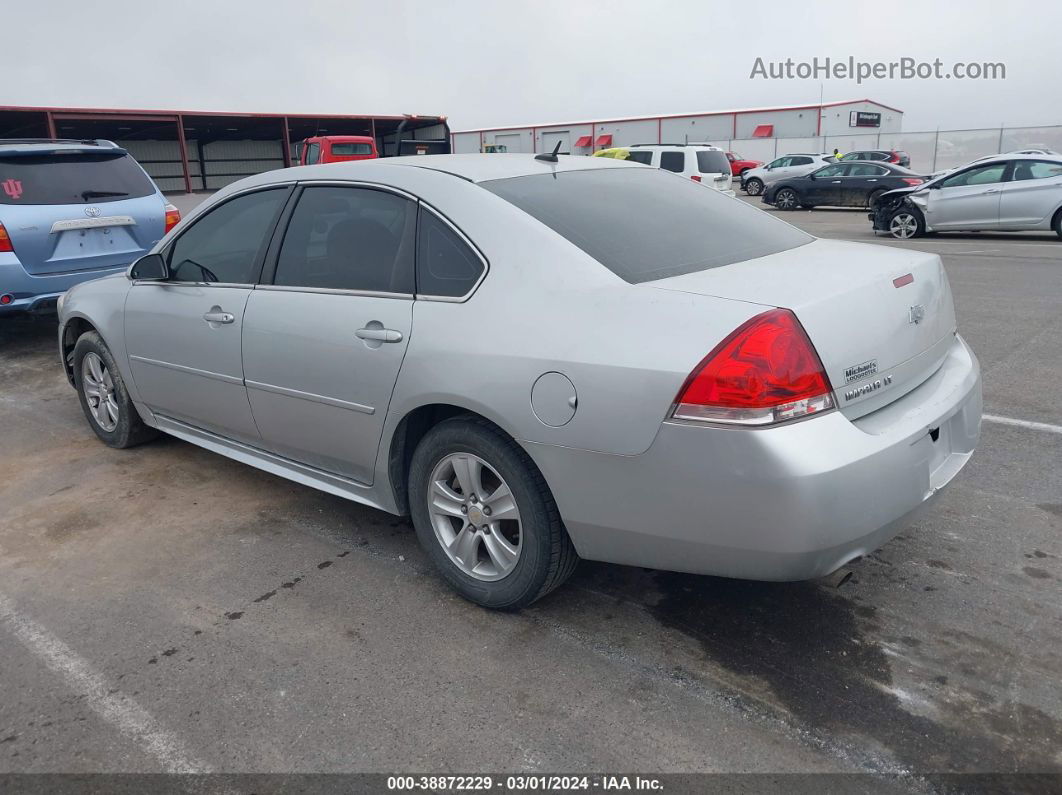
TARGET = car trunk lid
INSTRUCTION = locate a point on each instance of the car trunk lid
(880, 318)
(73, 237)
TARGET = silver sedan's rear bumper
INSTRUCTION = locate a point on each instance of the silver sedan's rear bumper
(787, 503)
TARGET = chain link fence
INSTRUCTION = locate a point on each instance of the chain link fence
(929, 151)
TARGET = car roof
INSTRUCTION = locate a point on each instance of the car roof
(34, 145)
(711, 147)
(472, 167)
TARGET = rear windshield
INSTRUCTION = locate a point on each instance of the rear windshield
(71, 179)
(709, 162)
(351, 149)
(645, 224)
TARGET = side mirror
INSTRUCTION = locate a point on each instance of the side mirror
(935, 186)
(812, 176)
(150, 267)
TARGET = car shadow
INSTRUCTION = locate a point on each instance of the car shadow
(818, 649)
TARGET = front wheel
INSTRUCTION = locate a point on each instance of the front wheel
(1058, 224)
(754, 186)
(104, 398)
(786, 199)
(906, 224)
(486, 518)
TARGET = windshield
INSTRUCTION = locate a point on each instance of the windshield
(80, 178)
(645, 224)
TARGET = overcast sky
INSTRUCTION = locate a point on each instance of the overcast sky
(507, 62)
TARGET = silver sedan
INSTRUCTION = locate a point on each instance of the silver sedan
(543, 359)
(1002, 193)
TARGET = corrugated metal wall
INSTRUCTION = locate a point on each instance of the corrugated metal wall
(162, 161)
(225, 162)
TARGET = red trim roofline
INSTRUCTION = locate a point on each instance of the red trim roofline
(662, 116)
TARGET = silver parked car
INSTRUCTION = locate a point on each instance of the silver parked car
(755, 180)
(541, 361)
(1010, 193)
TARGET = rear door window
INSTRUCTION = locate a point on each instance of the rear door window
(641, 157)
(225, 245)
(349, 239)
(680, 227)
(709, 162)
(71, 179)
(799, 160)
(673, 161)
(1036, 169)
(351, 149)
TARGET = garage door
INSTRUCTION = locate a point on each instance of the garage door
(551, 139)
(511, 141)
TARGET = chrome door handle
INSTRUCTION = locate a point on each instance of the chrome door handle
(379, 334)
(836, 182)
(992, 190)
(871, 180)
(219, 317)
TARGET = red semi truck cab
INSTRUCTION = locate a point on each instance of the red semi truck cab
(401, 139)
(335, 149)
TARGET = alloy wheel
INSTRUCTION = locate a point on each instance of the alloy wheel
(98, 386)
(786, 199)
(753, 187)
(903, 226)
(475, 516)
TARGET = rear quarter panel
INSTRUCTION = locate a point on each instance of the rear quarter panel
(545, 306)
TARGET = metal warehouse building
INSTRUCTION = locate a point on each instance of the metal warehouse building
(760, 125)
(201, 150)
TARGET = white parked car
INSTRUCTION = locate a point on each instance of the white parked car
(796, 165)
(702, 163)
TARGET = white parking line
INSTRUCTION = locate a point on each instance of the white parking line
(119, 710)
(1035, 426)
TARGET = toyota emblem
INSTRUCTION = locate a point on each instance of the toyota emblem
(92, 212)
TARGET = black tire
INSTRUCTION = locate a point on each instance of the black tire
(129, 429)
(1058, 223)
(874, 195)
(907, 223)
(547, 557)
(787, 199)
(754, 186)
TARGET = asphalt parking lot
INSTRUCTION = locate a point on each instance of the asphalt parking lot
(166, 609)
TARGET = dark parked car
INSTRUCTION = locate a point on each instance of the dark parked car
(897, 156)
(845, 184)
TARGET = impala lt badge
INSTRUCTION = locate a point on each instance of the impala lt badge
(867, 388)
(916, 314)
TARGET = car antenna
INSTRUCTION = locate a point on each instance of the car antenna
(550, 157)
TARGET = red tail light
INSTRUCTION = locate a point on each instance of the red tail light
(767, 371)
(912, 180)
(696, 178)
(173, 216)
(5, 240)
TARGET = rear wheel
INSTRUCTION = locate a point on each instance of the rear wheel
(486, 518)
(754, 186)
(786, 199)
(104, 398)
(905, 224)
(1058, 223)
